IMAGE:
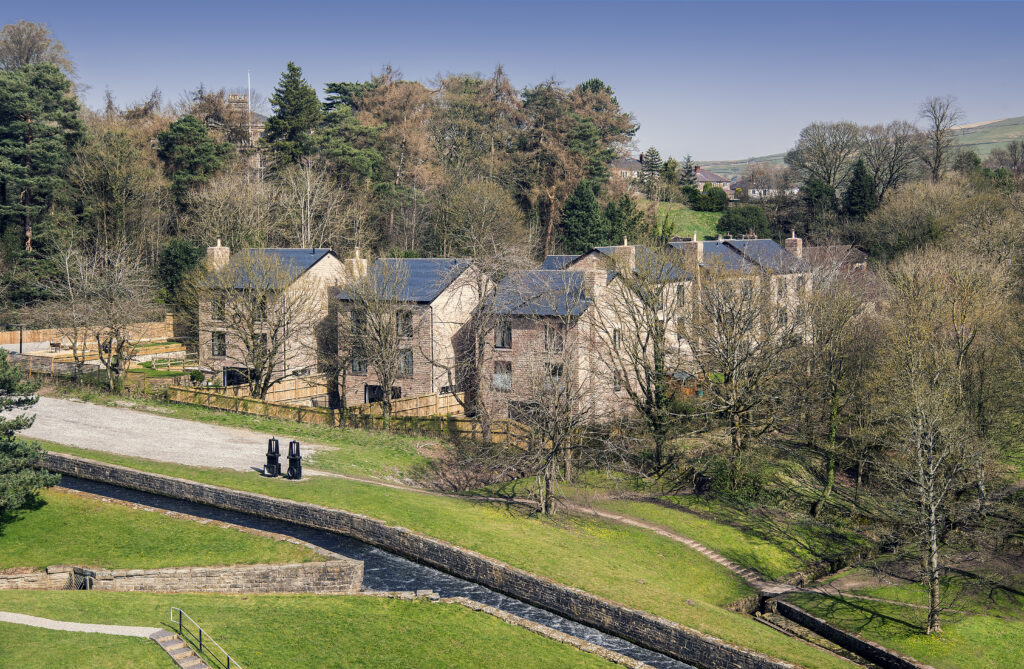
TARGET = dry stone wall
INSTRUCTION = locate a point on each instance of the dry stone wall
(343, 576)
(641, 628)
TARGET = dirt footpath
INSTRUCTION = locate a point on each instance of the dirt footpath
(146, 435)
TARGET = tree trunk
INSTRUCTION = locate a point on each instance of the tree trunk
(933, 572)
(545, 489)
(830, 479)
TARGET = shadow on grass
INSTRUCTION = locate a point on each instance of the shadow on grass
(11, 516)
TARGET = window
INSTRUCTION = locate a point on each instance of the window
(680, 296)
(358, 322)
(680, 328)
(217, 309)
(260, 309)
(616, 380)
(554, 340)
(260, 343)
(616, 338)
(503, 336)
(404, 323)
(220, 344)
(554, 371)
(358, 362)
(405, 363)
(783, 317)
(801, 284)
(780, 286)
(502, 379)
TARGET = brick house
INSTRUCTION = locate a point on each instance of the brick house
(313, 274)
(437, 298)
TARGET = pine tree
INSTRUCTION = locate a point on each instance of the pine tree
(860, 198)
(19, 477)
(650, 174)
(297, 113)
(622, 220)
(190, 155)
(39, 126)
(688, 173)
(582, 220)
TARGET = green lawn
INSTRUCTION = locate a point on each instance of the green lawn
(686, 221)
(741, 547)
(306, 631)
(356, 452)
(966, 642)
(24, 647)
(72, 529)
(629, 565)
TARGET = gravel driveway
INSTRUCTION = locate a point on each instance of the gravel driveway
(146, 435)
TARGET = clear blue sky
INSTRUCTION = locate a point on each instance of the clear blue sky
(718, 80)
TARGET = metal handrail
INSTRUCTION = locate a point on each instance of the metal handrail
(202, 637)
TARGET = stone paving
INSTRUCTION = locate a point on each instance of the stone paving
(146, 435)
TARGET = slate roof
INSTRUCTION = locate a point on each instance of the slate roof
(425, 278)
(705, 175)
(557, 262)
(748, 255)
(542, 293)
(294, 261)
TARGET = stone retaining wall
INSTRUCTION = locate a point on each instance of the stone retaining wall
(58, 577)
(868, 650)
(334, 577)
(641, 628)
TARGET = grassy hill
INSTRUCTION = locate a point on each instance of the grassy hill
(982, 137)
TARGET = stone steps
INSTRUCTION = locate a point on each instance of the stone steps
(180, 652)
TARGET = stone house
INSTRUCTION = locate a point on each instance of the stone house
(707, 178)
(437, 297)
(584, 297)
(310, 277)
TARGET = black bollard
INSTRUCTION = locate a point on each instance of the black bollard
(294, 461)
(273, 466)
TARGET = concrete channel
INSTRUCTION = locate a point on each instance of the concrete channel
(383, 571)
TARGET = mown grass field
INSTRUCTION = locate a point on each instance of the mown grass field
(274, 631)
(24, 647)
(632, 566)
(65, 528)
(354, 452)
(968, 641)
(686, 221)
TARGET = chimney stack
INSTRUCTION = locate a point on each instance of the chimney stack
(217, 257)
(355, 265)
(795, 245)
(693, 252)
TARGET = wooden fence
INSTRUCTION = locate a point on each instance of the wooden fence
(502, 431)
(34, 364)
(162, 329)
(416, 405)
(294, 389)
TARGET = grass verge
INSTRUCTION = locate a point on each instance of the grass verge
(309, 631)
(966, 642)
(64, 528)
(629, 565)
(685, 221)
(24, 647)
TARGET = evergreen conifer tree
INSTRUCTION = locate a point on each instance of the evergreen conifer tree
(688, 173)
(650, 173)
(190, 155)
(583, 221)
(19, 477)
(297, 113)
(860, 198)
(39, 126)
(622, 220)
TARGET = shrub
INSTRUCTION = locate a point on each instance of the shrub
(740, 219)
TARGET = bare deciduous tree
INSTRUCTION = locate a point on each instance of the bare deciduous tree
(940, 116)
(310, 203)
(825, 151)
(26, 43)
(268, 315)
(890, 152)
